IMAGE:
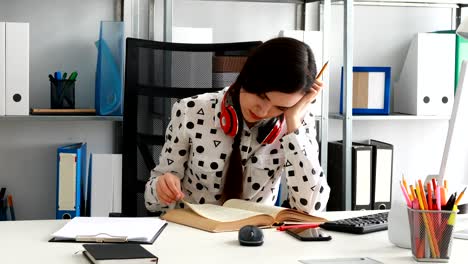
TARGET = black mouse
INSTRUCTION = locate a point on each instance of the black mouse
(250, 235)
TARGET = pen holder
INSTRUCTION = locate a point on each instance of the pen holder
(62, 94)
(431, 234)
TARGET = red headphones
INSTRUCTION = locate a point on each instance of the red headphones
(230, 123)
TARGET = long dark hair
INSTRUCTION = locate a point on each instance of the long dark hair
(281, 64)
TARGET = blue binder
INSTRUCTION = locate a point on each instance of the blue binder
(71, 165)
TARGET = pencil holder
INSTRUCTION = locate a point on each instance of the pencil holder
(431, 234)
(62, 94)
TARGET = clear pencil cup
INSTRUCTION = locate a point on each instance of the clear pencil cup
(431, 234)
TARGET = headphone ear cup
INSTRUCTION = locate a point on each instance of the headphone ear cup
(229, 121)
(271, 131)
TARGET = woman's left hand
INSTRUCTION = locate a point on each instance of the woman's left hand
(295, 114)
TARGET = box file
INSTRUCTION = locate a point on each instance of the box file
(2, 68)
(361, 177)
(71, 161)
(105, 184)
(17, 68)
(425, 85)
(371, 90)
(382, 174)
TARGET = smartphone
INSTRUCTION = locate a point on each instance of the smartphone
(308, 234)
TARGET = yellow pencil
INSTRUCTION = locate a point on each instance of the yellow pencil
(322, 70)
(406, 187)
(432, 242)
(413, 192)
(460, 196)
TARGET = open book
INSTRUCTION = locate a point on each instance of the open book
(234, 214)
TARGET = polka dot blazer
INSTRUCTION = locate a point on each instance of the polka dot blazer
(197, 150)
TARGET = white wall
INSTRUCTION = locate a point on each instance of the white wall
(235, 21)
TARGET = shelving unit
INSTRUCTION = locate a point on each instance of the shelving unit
(347, 117)
(29, 143)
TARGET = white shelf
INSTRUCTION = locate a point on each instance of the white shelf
(407, 2)
(61, 118)
(393, 116)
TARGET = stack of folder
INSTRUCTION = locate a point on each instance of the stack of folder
(372, 168)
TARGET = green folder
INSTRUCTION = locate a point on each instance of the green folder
(461, 53)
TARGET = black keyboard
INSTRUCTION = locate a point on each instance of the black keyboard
(359, 225)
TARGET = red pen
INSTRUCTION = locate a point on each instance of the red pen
(284, 227)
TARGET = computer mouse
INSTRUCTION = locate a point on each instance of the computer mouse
(250, 235)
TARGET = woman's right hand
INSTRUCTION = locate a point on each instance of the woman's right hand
(168, 188)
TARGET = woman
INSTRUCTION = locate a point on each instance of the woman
(237, 143)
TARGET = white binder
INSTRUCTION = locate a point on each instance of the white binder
(2, 68)
(17, 69)
(382, 171)
(106, 184)
(425, 86)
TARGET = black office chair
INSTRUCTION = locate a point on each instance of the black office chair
(156, 74)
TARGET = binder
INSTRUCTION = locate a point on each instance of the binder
(71, 161)
(17, 69)
(382, 174)
(105, 184)
(361, 177)
(2, 68)
(416, 93)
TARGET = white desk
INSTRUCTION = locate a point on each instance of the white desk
(26, 242)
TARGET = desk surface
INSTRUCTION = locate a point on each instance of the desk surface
(26, 242)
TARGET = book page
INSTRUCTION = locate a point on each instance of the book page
(253, 206)
(220, 213)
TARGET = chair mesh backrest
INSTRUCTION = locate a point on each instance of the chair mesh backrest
(157, 74)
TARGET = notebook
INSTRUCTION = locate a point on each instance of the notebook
(118, 253)
(110, 229)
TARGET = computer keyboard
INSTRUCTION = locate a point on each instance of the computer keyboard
(359, 225)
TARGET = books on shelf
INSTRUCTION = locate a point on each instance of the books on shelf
(118, 253)
(110, 229)
(234, 214)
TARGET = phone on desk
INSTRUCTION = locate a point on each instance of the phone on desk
(308, 234)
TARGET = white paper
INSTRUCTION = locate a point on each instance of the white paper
(462, 234)
(133, 228)
(341, 261)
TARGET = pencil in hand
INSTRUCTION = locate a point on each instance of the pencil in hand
(322, 70)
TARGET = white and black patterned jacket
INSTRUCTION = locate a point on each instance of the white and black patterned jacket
(197, 150)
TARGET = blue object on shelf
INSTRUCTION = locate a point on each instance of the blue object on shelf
(110, 69)
(374, 95)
